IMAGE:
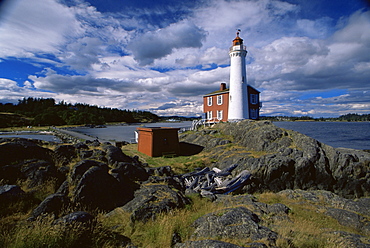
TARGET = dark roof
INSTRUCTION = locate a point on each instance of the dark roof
(217, 92)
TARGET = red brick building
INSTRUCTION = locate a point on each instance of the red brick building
(216, 104)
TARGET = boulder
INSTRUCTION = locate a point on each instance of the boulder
(10, 193)
(75, 217)
(160, 171)
(17, 150)
(63, 154)
(84, 227)
(115, 155)
(82, 166)
(207, 243)
(53, 204)
(151, 200)
(130, 170)
(232, 223)
(80, 146)
(38, 172)
(276, 211)
(10, 173)
(97, 189)
(81, 225)
(84, 154)
(350, 219)
(331, 199)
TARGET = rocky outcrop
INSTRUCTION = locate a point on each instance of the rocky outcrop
(349, 213)
(282, 159)
(14, 150)
(53, 204)
(208, 243)
(151, 200)
(96, 178)
(97, 189)
(238, 223)
(10, 194)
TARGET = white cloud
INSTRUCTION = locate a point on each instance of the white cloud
(157, 44)
(36, 26)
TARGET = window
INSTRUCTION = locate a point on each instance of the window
(209, 115)
(219, 115)
(209, 101)
(253, 98)
(219, 100)
(254, 113)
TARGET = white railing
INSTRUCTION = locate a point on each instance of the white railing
(203, 122)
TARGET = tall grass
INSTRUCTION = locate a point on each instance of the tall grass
(307, 226)
(158, 233)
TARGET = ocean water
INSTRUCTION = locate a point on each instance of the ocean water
(44, 137)
(125, 133)
(355, 135)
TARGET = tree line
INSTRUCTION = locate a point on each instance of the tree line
(46, 112)
(346, 117)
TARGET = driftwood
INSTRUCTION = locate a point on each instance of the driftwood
(215, 181)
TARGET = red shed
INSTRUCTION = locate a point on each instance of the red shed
(158, 141)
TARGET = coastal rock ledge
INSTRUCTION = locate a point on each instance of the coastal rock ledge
(281, 159)
(94, 195)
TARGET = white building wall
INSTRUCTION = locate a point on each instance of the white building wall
(238, 98)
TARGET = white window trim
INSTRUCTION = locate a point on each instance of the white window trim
(219, 115)
(209, 101)
(219, 99)
(209, 115)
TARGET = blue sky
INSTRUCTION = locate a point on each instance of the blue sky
(306, 57)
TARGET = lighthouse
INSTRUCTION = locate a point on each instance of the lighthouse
(238, 102)
(238, 95)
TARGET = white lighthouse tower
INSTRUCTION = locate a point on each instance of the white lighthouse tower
(238, 97)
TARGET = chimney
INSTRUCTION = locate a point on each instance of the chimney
(223, 86)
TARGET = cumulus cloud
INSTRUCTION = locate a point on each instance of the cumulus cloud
(35, 26)
(160, 43)
(303, 63)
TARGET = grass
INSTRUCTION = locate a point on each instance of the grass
(179, 164)
(158, 233)
(308, 225)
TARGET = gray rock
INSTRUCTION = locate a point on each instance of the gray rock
(39, 172)
(97, 189)
(82, 166)
(235, 223)
(350, 219)
(53, 204)
(344, 239)
(75, 217)
(288, 159)
(10, 193)
(63, 188)
(130, 170)
(84, 154)
(208, 243)
(151, 200)
(18, 150)
(115, 155)
(63, 154)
